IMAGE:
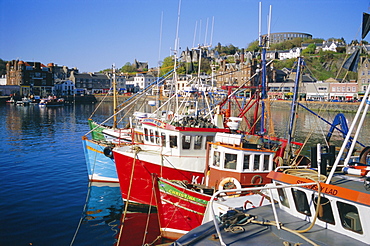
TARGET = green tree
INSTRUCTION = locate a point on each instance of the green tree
(309, 50)
(167, 65)
(253, 47)
(128, 68)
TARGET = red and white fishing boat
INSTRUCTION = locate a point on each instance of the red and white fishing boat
(234, 161)
(321, 205)
(173, 152)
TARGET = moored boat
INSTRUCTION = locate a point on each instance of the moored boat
(321, 205)
(234, 161)
(51, 102)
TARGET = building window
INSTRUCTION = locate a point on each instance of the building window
(353, 88)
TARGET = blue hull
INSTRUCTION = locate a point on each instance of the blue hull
(100, 167)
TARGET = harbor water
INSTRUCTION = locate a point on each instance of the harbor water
(46, 198)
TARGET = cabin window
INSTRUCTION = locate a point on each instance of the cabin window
(151, 136)
(256, 163)
(230, 161)
(349, 217)
(173, 142)
(156, 137)
(283, 198)
(138, 137)
(216, 159)
(266, 162)
(246, 162)
(301, 202)
(198, 142)
(146, 134)
(325, 212)
(186, 141)
(208, 139)
(163, 139)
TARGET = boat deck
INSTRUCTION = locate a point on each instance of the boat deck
(256, 234)
(351, 182)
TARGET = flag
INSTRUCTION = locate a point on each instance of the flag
(365, 24)
(352, 62)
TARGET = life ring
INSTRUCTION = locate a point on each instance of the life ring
(108, 152)
(235, 185)
(256, 177)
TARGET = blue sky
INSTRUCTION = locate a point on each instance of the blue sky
(94, 34)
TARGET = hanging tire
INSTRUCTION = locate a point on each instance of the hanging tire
(108, 152)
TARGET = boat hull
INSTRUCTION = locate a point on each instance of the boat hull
(100, 167)
(136, 169)
(180, 209)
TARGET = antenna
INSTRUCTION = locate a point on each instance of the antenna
(205, 36)
(269, 27)
(260, 24)
(213, 22)
(177, 29)
(195, 32)
(200, 30)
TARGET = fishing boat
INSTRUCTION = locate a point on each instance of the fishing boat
(321, 204)
(233, 161)
(98, 148)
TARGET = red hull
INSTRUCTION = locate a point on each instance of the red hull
(181, 209)
(136, 178)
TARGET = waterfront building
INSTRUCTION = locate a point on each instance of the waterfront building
(140, 80)
(344, 91)
(33, 78)
(91, 83)
(64, 88)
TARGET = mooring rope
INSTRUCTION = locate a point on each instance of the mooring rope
(128, 193)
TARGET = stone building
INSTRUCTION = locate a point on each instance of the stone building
(33, 78)
(90, 83)
(363, 74)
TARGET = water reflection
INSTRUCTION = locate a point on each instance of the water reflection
(104, 221)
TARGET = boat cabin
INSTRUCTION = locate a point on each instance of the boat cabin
(232, 157)
(176, 139)
(343, 206)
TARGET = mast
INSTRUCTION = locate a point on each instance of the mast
(293, 110)
(158, 96)
(175, 56)
(114, 97)
(264, 42)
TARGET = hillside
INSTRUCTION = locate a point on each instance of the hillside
(322, 66)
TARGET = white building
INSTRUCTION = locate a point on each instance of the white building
(64, 88)
(142, 80)
(289, 54)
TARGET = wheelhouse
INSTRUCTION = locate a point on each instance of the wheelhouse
(333, 208)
